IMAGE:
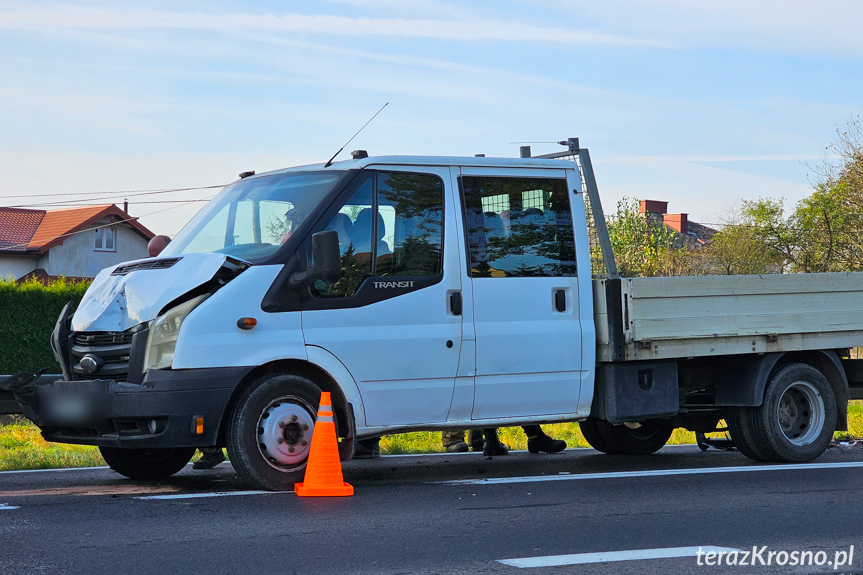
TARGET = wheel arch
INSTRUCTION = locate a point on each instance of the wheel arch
(342, 405)
(759, 369)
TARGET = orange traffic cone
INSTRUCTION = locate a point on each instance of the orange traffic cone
(324, 469)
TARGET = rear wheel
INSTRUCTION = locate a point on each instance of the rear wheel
(147, 463)
(795, 421)
(648, 437)
(270, 431)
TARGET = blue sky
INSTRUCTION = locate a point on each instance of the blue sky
(696, 103)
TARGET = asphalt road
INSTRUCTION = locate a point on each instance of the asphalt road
(445, 514)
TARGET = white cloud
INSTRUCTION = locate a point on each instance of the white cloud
(711, 159)
(778, 26)
(486, 29)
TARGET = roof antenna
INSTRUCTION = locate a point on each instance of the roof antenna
(330, 163)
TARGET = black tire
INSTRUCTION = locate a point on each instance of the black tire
(740, 427)
(590, 429)
(621, 440)
(147, 463)
(270, 429)
(795, 421)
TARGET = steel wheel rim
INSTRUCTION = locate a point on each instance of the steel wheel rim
(284, 432)
(800, 413)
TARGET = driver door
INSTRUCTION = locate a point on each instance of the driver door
(387, 319)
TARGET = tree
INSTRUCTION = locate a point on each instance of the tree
(640, 243)
(824, 233)
(737, 249)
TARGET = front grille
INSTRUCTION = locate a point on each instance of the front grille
(161, 264)
(103, 338)
(114, 349)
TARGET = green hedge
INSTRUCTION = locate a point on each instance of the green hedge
(28, 312)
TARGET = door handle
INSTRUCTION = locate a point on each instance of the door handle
(560, 300)
(455, 303)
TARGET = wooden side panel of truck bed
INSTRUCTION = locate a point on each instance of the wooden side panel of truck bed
(721, 315)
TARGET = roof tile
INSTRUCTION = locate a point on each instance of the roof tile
(61, 222)
(17, 227)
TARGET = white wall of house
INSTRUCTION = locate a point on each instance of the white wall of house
(78, 257)
(16, 266)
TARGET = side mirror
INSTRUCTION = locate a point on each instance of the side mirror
(327, 263)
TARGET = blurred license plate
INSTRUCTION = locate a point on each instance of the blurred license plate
(66, 408)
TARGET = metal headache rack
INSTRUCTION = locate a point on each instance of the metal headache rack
(601, 255)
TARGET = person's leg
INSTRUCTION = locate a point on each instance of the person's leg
(453, 441)
(492, 445)
(368, 448)
(474, 438)
(538, 441)
(211, 457)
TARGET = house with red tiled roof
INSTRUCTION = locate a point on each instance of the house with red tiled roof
(688, 232)
(71, 242)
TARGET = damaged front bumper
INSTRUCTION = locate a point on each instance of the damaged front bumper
(161, 412)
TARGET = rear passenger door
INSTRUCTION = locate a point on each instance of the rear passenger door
(522, 278)
(387, 318)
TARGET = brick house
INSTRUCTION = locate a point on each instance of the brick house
(688, 232)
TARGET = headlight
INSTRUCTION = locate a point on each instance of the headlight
(162, 339)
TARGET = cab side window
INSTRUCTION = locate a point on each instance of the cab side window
(355, 242)
(413, 245)
(518, 227)
(392, 225)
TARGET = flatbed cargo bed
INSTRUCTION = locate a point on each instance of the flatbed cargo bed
(698, 316)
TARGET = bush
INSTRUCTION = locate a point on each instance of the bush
(28, 312)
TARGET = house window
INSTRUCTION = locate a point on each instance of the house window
(105, 238)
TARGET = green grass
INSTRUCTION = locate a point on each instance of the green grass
(513, 437)
(21, 446)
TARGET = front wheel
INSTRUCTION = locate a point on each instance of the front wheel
(795, 421)
(147, 463)
(646, 438)
(269, 433)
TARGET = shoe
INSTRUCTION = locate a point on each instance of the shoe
(459, 447)
(545, 444)
(210, 459)
(476, 441)
(368, 448)
(492, 445)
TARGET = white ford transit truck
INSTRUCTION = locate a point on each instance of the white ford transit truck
(435, 293)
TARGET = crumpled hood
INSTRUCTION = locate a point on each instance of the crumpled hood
(118, 302)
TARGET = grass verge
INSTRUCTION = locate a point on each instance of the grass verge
(22, 447)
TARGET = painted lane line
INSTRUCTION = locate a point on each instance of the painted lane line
(653, 473)
(611, 556)
(213, 494)
(5, 506)
(469, 454)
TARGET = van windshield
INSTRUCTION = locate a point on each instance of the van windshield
(251, 218)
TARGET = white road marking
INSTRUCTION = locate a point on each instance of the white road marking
(610, 556)
(4, 506)
(653, 473)
(472, 453)
(214, 494)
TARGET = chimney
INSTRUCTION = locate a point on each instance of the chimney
(678, 222)
(126, 205)
(652, 207)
